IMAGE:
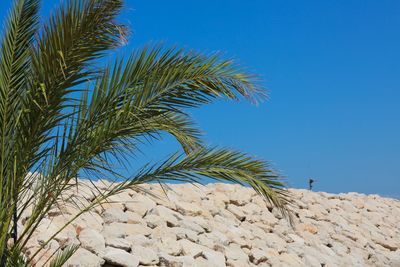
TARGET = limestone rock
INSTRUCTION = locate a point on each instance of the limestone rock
(140, 204)
(119, 243)
(111, 215)
(145, 255)
(120, 257)
(84, 258)
(125, 229)
(92, 240)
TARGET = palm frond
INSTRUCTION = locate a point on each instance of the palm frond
(62, 256)
(171, 78)
(221, 165)
(146, 94)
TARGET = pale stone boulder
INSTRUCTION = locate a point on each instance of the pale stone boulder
(239, 214)
(219, 238)
(234, 252)
(46, 230)
(111, 215)
(191, 249)
(187, 208)
(154, 221)
(206, 240)
(175, 261)
(274, 241)
(311, 261)
(286, 260)
(117, 242)
(145, 255)
(190, 224)
(139, 239)
(90, 220)
(140, 204)
(84, 258)
(171, 217)
(241, 196)
(307, 227)
(214, 257)
(92, 240)
(169, 246)
(124, 229)
(120, 257)
(257, 256)
(133, 218)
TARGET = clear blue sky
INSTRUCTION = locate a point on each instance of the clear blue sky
(333, 72)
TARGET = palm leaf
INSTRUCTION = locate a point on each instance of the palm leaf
(221, 165)
(62, 256)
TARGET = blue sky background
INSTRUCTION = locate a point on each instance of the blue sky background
(332, 69)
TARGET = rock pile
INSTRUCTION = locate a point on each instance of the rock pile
(226, 225)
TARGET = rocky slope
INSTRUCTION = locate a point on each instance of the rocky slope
(226, 225)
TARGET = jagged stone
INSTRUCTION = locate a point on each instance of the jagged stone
(125, 229)
(119, 243)
(84, 258)
(92, 240)
(120, 257)
(145, 255)
(140, 204)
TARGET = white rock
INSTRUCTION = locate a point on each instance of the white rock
(239, 214)
(187, 208)
(234, 252)
(187, 223)
(257, 256)
(140, 204)
(274, 241)
(169, 246)
(176, 261)
(120, 257)
(171, 217)
(90, 220)
(311, 261)
(119, 243)
(46, 229)
(286, 259)
(114, 215)
(191, 249)
(145, 255)
(124, 229)
(214, 257)
(84, 258)
(92, 240)
(139, 239)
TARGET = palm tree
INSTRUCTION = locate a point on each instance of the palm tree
(65, 115)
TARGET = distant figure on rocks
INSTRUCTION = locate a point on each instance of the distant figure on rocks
(310, 183)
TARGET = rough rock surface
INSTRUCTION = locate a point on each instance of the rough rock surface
(227, 225)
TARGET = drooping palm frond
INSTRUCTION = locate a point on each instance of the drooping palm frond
(146, 94)
(220, 165)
